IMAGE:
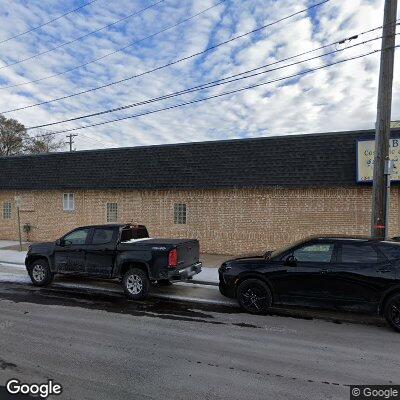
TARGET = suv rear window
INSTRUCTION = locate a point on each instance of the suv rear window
(391, 251)
(355, 253)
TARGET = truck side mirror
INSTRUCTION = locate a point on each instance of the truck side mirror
(60, 242)
(290, 261)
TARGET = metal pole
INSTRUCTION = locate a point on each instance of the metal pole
(382, 132)
(19, 230)
(388, 171)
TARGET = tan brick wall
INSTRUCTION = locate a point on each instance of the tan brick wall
(225, 221)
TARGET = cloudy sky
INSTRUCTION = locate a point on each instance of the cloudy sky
(339, 97)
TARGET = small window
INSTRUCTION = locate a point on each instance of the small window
(112, 212)
(321, 252)
(102, 236)
(180, 213)
(68, 202)
(77, 237)
(359, 254)
(7, 210)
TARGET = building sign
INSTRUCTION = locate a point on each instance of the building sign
(366, 156)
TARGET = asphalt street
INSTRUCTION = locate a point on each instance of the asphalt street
(98, 345)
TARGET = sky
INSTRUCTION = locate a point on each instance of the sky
(335, 98)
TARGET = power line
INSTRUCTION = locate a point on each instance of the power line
(210, 97)
(81, 37)
(116, 51)
(177, 61)
(48, 22)
(171, 27)
(207, 85)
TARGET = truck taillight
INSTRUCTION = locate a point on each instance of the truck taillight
(173, 258)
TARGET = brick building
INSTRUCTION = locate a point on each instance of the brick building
(235, 196)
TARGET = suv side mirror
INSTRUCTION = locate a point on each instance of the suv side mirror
(60, 242)
(290, 261)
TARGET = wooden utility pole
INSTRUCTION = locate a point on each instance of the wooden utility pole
(380, 199)
(71, 141)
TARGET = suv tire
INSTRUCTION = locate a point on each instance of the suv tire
(392, 311)
(254, 296)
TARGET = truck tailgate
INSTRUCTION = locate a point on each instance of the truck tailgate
(188, 253)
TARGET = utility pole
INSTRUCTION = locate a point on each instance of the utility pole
(71, 141)
(380, 195)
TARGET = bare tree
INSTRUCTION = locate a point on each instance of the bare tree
(43, 144)
(14, 139)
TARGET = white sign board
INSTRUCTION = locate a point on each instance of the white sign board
(366, 156)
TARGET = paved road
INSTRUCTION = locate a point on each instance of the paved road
(98, 345)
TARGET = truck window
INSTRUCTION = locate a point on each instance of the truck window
(102, 235)
(139, 232)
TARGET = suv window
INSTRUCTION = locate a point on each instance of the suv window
(102, 235)
(392, 252)
(353, 253)
(77, 237)
(318, 252)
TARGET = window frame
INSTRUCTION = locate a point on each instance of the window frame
(381, 257)
(334, 255)
(180, 214)
(107, 212)
(76, 230)
(7, 214)
(114, 235)
(70, 196)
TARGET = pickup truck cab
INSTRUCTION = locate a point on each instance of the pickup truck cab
(122, 251)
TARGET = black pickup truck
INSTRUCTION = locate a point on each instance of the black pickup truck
(122, 251)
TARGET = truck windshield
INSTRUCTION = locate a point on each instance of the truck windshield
(139, 232)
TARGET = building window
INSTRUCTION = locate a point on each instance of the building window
(68, 202)
(112, 212)
(7, 210)
(180, 213)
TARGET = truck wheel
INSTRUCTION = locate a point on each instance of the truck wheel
(40, 274)
(164, 282)
(254, 296)
(392, 312)
(136, 284)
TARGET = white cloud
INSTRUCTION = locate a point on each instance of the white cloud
(341, 97)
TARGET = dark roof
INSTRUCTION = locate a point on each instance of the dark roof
(312, 160)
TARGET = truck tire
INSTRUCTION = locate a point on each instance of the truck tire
(40, 273)
(254, 296)
(136, 284)
(392, 311)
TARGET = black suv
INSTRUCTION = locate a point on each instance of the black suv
(357, 274)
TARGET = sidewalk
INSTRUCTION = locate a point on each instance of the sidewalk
(209, 274)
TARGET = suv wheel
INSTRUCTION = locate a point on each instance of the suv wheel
(392, 312)
(136, 284)
(40, 274)
(254, 296)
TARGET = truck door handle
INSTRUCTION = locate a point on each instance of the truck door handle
(325, 270)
